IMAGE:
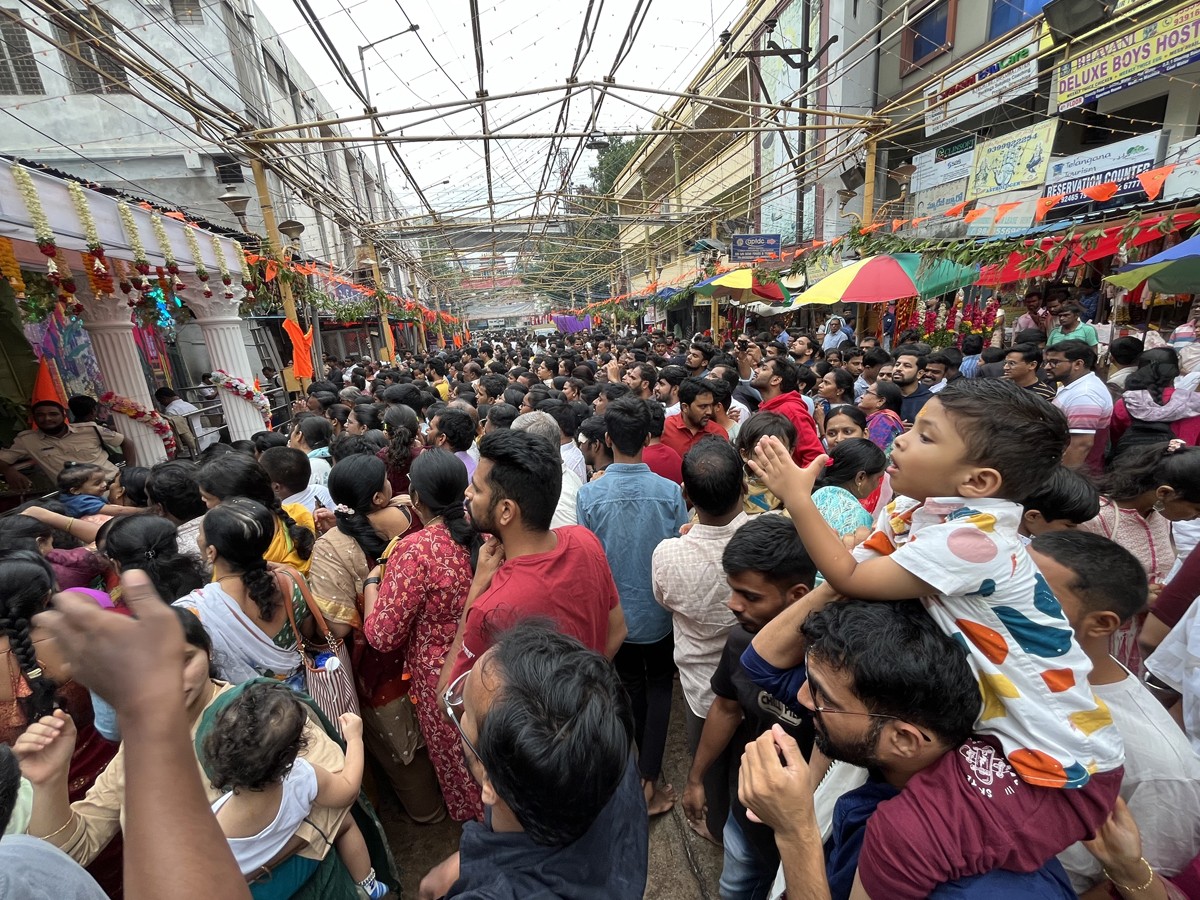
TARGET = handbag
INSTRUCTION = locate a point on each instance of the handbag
(330, 683)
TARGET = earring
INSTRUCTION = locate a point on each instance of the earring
(1159, 506)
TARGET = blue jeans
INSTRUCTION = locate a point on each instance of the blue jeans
(744, 876)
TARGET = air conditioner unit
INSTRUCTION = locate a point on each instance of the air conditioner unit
(854, 178)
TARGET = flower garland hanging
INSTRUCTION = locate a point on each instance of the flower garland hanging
(223, 266)
(10, 268)
(96, 267)
(238, 387)
(194, 247)
(140, 262)
(65, 282)
(149, 417)
(247, 278)
(168, 252)
(41, 225)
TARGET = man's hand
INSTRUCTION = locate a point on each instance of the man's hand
(130, 662)
(491, 556)
(439, 880)
(695, 804)
(613, 368)
(17, 480)
(774, 465)
(776, 791)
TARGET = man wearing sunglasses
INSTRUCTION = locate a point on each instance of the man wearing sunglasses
(546, 729)
(889, 692)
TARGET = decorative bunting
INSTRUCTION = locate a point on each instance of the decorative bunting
(1152, 181)
(975, 214)
(919, 219)
(870, 228)
(1005, 208)
(957, 209)
(1045, 204)
(1101, 192)
(897, 224)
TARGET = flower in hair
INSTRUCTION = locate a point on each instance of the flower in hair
(343, 508)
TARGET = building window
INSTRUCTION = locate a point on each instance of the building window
(18, 72)
(929, 33)
(187, 12)
(82, 57)
(1008, 14)
(229, 170)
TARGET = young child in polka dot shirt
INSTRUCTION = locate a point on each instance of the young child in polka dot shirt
(951, 537)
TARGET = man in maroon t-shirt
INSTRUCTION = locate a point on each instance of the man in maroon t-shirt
(694, 420)
(526, 570)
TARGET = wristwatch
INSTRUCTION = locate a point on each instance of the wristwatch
(374, 580)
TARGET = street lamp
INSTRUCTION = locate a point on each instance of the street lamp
(236, 202)
(291, 229)
(597, 140)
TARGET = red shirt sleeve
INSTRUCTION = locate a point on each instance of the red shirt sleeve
(808, 444)
(1180, 592)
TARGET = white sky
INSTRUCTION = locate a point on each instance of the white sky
(526, 44)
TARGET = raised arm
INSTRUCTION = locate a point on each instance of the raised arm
(338, 789)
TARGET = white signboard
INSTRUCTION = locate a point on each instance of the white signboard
(1184, 180)
(949, 162)
(1015, 221)
(1008, 72)
(931, 204)
(1121, 162)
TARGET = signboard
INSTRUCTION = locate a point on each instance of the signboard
(1121, 162)
(495, 323)
(749, 247)
(1016, 160)
(1184, 180)
(1008, 72)
(950, 162)
(933, 202)
(1142, 52)
(1017, 221)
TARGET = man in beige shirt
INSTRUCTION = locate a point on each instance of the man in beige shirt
(55, 442)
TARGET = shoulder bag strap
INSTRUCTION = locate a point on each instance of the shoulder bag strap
(313, 610)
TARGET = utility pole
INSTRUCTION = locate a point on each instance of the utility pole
(389, 342)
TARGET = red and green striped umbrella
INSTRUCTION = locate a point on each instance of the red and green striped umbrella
(889, 276)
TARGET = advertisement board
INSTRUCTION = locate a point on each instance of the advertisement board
(1009, 71)
(1015, 222)
(1013, 161)
(932, 203)
(1184, 180)
(749, 247)
(1121, 162)
(940, 165)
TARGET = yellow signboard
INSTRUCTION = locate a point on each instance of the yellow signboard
(1012, 161)
(1140, 53)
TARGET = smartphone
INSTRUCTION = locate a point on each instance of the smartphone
(743, 345)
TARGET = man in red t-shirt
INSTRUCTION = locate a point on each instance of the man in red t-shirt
(777, 379)
(661, 459)
(526, 570)
(694, 420)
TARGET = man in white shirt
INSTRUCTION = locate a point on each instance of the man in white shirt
(1101, 585)
(688, 580)
(289, 470)
(174, 405)
(572, 456)
(543, 424)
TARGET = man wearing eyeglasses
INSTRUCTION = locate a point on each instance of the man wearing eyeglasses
(889, 692)
(546, 729)
(1084, 399)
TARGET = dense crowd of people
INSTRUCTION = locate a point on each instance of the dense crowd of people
(931, 610)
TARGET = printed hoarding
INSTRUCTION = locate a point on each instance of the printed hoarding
(1013, 161)
(940, 165)
(1121, 162)
(1008, 72)
(749, 247)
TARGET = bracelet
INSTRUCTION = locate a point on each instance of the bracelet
(374, 581)
(1126, 887)
(69, 521)
(63, 827)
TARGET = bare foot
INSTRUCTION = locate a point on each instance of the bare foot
(702, 830)
(659, 799)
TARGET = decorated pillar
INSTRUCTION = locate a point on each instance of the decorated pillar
(109, 324)
(246, 410)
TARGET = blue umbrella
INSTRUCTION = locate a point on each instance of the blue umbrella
(1174, 271)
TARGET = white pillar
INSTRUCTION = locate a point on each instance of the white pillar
(109, 323)
(222, 327)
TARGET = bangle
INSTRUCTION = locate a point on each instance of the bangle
(374, 581)
(1126, 887)
(69, 521)
(70, 821)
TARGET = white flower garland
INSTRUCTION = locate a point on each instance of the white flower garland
(33, 203)
(222, 266)
(164, 243)
(194, 247)
(140, 262)
(90, 234)
(150, 417)
(237, 386)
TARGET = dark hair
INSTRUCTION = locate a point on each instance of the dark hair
(770, 546)
(1125, 350)
(1075, 351)
(763, 424)
(265, 440)
(194, 634)
(1030, 353)
(658, 418)
(493, 385)
(164, 394)
(876, 356)
(900, 662)
(134, 481)
(1033, 336)
(368, 416)
(712, 475)
(75, 475)
(1107, 577)
(28, 581)
(672, 375)
(245, 447)
(849, 458)
(1156, 371)
(853, 413)
(527, 470)
(593, 429)
(82, 406)
(993, 354)
(788, 372)
(439, 478)
(241, 531)
(240, 476)
(19, 532)
(458, 427)
(1135, 472)
(173, 486)
(438, 365)
(721, 391)
(10, 784)
(315, 430)
(555, 740)
(691, 388)
(287, 466)
(1007, 428)
(1065, 495)
(353, 483)
(149, 543)
(401, 425)
(614, 390)
(502, 415)
(255, 738)
(890, 394)
(972, 345)
(627, 423)
(911, 350)
(328, 400)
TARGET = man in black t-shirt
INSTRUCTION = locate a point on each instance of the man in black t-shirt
(768, 570)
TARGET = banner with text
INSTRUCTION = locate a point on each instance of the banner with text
(1016, 160)
(1184, 180)
(1130, 58)
(940, 165)
(1120, 163)
(1008, 72)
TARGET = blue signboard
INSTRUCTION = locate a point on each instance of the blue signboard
(749, 247)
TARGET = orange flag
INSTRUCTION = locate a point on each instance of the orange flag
(974, 214)
(817, 244)
(897, 224)
(1152, 181)
(302, 365)
(870, 228)
(1005, 208)
(957, 208)
(919, 219)
(1101, 192)
(272, 270)
(1045, 204)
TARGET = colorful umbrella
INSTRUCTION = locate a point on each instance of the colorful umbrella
(1174, 271)
(740, 286)
(889, 276)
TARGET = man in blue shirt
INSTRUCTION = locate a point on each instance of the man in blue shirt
(631, 510)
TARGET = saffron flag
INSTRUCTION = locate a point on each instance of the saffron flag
(1005, 208)
(957, 208)
(1152, 181)
(1045, 204)
(1101, 192)
(302, 365)
(974, 214)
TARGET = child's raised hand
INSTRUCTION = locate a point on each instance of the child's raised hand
(350, 725)
(774, 465)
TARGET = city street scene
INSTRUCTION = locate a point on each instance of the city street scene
(599, 450)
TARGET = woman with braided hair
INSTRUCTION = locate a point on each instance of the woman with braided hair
(236, 475)
(414, 611)
(243, 608)
(401, 427)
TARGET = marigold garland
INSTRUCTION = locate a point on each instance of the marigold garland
(33, 204)
(238, 387)
(10, 268)
(150, 417)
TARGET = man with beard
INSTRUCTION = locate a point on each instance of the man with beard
(697, 358)
(889, 692)
(908, 366)
(525, 570)
(694, 419)
(767, 569)
(56, 442)
(641, 379)
(666, 389)
(777, 380)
